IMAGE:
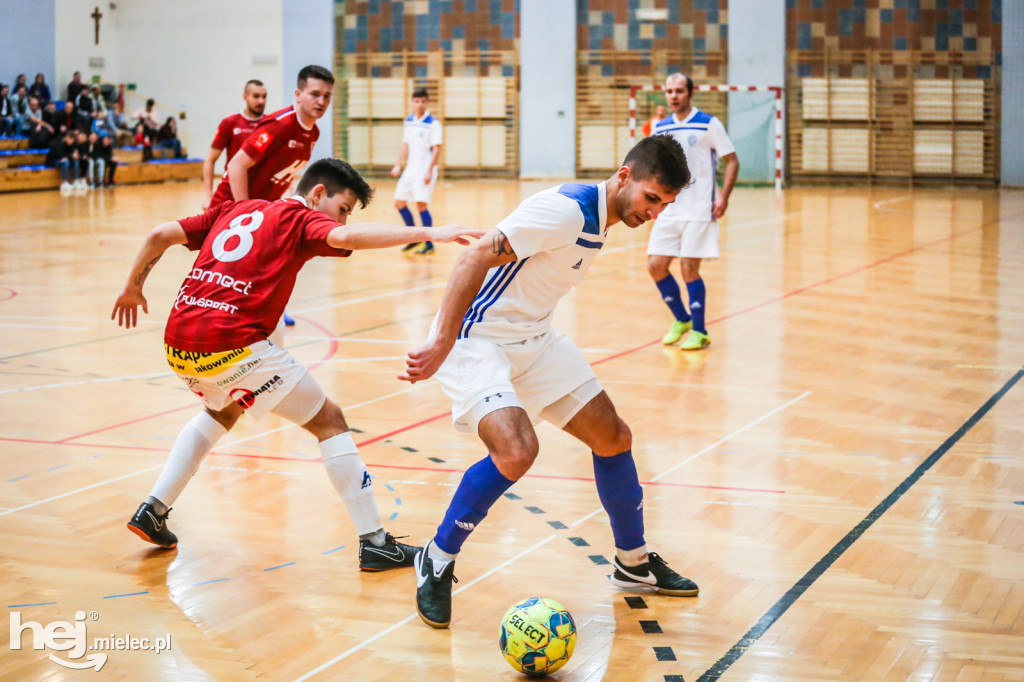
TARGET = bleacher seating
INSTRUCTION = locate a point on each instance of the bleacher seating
(22, 168)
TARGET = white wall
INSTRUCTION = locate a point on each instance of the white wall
(1012, 151)
(189, 55)
(27, 41)
(308, 37)
(547, 98)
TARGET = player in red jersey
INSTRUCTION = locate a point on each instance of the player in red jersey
(233, 131)
(216, 336)
(281, 145)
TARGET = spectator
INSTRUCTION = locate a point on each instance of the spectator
(19, 103)
(7, 125)
(67, 119)
(64, 156)
(87, 104)
(149, 117)
(38, 130)
(41, 90)
(96, 164)
(75, 86)
(84, 162)
(120, 124)
(167, 138)
(107, 153)
(143, 140)
(101, 125)
(20, 81)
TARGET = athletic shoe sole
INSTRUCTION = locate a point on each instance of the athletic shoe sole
(630, 585)
(142, 534)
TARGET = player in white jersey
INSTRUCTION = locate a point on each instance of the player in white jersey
(688, 229)
(421, 148)
(497, 358)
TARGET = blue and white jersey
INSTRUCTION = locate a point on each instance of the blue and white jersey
(703, 139)
(421, 134)
(556, 235)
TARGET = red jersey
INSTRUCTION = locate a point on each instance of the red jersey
(249, 255)
(232, 132)
(280, 146)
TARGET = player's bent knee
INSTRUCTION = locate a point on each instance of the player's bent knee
(399, 204)
(304, 403)
(619, 439)
(228, 416)
(515, 456)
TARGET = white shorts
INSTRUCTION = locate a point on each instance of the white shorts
(684, 238)
(483, 375)
(257, 377)
(411, 187)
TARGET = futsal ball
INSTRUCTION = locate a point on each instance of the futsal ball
(537, 637)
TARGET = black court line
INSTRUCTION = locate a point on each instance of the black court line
(802, 585)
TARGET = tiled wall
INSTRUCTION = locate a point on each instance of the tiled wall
(428, 25)
(693, 29)
(967, 28)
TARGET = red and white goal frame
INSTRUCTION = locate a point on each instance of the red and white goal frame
(777, 90)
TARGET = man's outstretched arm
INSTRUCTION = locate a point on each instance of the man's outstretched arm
(160, 238)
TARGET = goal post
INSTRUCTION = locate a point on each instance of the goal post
(774, 93)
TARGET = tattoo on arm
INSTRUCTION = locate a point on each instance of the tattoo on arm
(141, 277)
(501, 245)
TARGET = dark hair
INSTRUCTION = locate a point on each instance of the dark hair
(314, 71)
(336, 176)
(659, 157)
(421, 92)
(150, 102)
(677, 75)
(253, 82)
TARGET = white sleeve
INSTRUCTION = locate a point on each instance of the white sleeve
(543, 222)
(435, 133)
(405, 132)
(719, 138)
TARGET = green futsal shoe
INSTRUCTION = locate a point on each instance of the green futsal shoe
(695, 340)
(676, 332)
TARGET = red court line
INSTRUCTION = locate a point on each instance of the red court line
(809, 287)
(403, 429)
(12, 293)
(332, 348)
(377, 466)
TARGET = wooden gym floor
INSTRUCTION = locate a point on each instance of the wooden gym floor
(841, 471)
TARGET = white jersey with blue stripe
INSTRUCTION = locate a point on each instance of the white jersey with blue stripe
(422, 135)
(703, 139)
(556, 235)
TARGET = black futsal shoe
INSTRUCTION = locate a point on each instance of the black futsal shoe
(434, 590)
(391, 554)
(152, 527)
(410, 247)
(653, 574)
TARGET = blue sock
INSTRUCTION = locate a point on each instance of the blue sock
(480, 488)
(673, 297)
(697, 302)
(618, 486)
(407, 216)
(428, 221)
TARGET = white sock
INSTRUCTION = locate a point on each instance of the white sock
(632, 557)
(193, 442)
(348, 474)
(439, 556)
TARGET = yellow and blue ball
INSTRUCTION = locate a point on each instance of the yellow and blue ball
(537, 636)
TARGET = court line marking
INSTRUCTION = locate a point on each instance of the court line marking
(39, 326)
(487, 574)
(894, 200)
(810, 577)
(414, 615)
(126, 377)
(364, 299)
(80, 490)
(677, 384)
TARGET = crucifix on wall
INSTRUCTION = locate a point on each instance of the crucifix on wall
(96, 16)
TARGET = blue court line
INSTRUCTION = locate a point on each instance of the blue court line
(208, 582)
(809, 578)
(59, 466)
(398, 501)
(274, 568)
(388, 486)
(21, 606)
(93, 457)
(12, 480)
(393, 516)
(130, 594)
(332, 551)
